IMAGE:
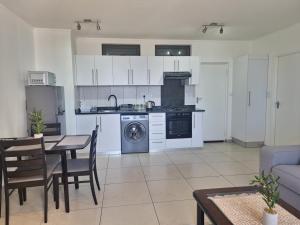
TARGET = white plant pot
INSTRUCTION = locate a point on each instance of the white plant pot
(270, 219)
(38, 135)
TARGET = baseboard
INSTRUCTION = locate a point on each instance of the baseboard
(247, 144)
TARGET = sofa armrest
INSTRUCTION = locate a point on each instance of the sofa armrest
(279, 155)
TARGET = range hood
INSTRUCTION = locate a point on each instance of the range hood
(177, 75)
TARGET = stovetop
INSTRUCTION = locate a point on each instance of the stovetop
(183, 108)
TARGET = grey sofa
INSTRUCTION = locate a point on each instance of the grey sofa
(284, 161)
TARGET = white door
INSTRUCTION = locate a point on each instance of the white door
(183, 63)
(104, 70)
(121, 70)
(155, 70)
(195, 69)
(109, 136)
(139, 70)
(287, 130)
(85, 124)
(197, 137)
(85, 73)
(170, 63)
(212, 97)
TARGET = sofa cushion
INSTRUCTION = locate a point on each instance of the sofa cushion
(289, 176)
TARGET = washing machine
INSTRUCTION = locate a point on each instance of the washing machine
(135, 133)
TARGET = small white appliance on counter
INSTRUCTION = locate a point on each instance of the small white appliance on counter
(41, 78)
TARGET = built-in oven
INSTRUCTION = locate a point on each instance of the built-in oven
(178, 125)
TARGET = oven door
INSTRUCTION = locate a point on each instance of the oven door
(178, 125)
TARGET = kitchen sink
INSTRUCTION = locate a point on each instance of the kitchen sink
(107, 109)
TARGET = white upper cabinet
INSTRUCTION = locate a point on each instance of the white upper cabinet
(104, 70)
(138, 70)
(155, 70)
(195, 69)
(85, 72)
(177, 63)
(121, 70)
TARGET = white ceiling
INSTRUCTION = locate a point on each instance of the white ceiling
(174, 19)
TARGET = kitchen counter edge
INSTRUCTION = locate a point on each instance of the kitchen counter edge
(131, 112)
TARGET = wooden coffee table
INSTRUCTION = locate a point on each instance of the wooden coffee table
(207, 206)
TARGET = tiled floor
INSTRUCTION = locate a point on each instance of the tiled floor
(146, 189)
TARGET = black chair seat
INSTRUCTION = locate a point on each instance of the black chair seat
(74, 166)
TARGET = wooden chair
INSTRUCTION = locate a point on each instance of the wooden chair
(80, 167)
(25, 165)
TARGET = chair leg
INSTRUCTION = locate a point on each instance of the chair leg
(93, 188)
(24, 194)
(0, 190)
(6, 207)
(45, 204)
(96, 178)
(74, 156)
(56, 191)
(20, 192)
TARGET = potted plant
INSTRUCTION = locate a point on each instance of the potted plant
(268, 187)
(37, 123)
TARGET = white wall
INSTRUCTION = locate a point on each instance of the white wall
(282, 42)
(16, 58)
(53, 52)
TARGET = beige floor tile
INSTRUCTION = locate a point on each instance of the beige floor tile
(126, 194)
(197, 170)
(169, 190)
(122, 175)
(251, 155)
(231, 168)
(215, 157)
(79, 217)
(123, 161)
(129, 215)
(208, 182)
(154, 159)
(228, 147)
(24, 219)
(253, 165)
(185, 158)
(176, 212)
(240, 180)
(102, 162)
(161, 172)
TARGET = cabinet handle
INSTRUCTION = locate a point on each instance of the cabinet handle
(128, 76)
(158, 133)
(149, 74)
(178, 65)
(132, 76)
(194, 120)
(249, 98)
(100, 124)
(157, 124)
(97, 76)
(93, 78)
(157, 142)
(174, 65)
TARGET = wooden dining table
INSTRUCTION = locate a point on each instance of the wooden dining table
(61, 144)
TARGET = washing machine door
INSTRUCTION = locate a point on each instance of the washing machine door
(135, 132)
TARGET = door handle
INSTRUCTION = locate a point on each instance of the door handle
(277, 104)
(249, 98)
(198, 99)
(194, 121)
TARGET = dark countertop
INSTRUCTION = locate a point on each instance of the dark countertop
(120, 111)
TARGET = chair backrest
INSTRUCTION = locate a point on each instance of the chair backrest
(51, 129)
(23, 158)
(93, 148)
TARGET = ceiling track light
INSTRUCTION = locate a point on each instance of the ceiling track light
(88, 21)
(213, 25)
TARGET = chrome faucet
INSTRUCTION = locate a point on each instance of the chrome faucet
(116, 100)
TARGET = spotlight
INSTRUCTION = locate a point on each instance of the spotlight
(204, 29)
(78, 26)
(98, 25)
(221, 30)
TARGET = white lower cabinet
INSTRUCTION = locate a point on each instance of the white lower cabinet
(197, 134)
(109, 132)
(109, 136)
(157, 131)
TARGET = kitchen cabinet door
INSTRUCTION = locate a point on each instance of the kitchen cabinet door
(139, 70)
(170, 64)
(197, 135)
(195, 69)
(104, 70)
(85, 73)
(183, 64)
(121, 70)
(109, 135)
(85, 124)
(155, 70)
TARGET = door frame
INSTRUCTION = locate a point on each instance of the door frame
(274, 98)
(228, 99)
